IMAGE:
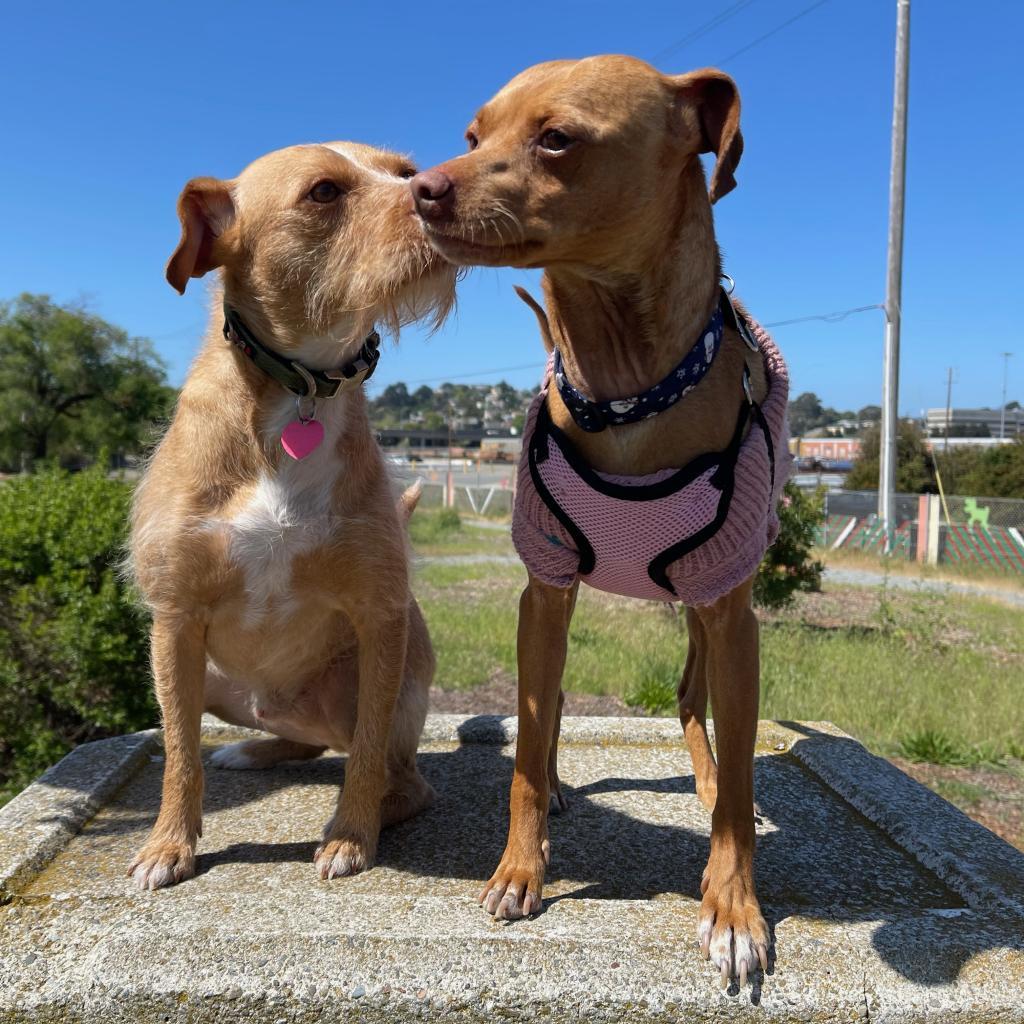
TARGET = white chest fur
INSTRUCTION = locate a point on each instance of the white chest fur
(288, 513)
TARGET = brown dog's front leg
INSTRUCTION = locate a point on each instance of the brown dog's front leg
(179, 671)
(350, 838)
(732, 932)
(544, 615)
(693, 709)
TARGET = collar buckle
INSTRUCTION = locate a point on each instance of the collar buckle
(360, 369)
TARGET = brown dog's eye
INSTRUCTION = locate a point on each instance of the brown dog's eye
(555, 141)
(472, 140)
(324, 192)
(407, 172)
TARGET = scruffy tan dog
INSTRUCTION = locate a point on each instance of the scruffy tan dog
(265, 537)
(591, 170)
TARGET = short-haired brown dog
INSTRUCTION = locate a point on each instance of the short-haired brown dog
(591, 170)
(279, 585)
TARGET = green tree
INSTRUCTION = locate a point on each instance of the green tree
(996, 472)
(915, 471)
(71, 384)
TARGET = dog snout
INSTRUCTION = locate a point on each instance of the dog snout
(433, 192)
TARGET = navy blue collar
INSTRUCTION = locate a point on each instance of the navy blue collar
(594, 416)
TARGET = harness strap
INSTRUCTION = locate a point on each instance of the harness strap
(723, 479)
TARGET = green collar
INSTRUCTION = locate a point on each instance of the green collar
(300, 380)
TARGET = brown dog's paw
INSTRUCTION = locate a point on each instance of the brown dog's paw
(515, 889)
(344, 855)
(160, 864)
(732, 933)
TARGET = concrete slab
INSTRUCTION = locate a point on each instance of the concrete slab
(886, 902)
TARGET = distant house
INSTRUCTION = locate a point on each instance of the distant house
(826, 449)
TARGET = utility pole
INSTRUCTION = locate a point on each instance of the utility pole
(894, 279)
(1002, 407)
(949, 406)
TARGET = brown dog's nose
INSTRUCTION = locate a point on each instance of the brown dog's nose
(434, 194)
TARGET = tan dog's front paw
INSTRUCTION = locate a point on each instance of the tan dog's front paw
(344, 855)
(732, 932)
(515, 889)
(159, 864)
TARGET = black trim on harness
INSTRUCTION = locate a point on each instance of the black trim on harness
(538, 452)
(644, 492)
(725, 480)
(763, 424)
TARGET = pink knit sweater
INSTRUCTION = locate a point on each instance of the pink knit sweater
(623, 526)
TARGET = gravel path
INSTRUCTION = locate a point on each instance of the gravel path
(836, 575)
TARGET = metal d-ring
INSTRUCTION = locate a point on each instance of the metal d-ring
(305, 405)
(732, 284)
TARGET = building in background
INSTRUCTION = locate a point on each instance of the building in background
(974, 422)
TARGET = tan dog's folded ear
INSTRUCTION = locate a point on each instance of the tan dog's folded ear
(714, 96)
(206, 211)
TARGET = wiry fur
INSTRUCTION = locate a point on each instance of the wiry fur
(279, 589)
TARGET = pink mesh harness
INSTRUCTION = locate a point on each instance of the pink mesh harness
(690, 534)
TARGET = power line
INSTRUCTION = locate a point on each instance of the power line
(447, 378)
(768, 35)
(831, 318)
(702, 30)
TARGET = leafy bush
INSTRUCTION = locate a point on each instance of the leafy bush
(788, 566)
(73, 646)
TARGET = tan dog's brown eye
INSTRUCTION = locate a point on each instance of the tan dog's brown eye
(324, 192)
(407, 172)
(472, 140)
(555, 141)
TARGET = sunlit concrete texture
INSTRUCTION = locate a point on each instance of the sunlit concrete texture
(886, 903)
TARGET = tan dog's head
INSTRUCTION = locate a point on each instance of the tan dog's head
(582, 161)
(317, 241)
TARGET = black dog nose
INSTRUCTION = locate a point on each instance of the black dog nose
(434, 194)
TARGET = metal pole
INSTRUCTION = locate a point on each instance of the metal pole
(891, 361)
(1002, 407)
(949, 405)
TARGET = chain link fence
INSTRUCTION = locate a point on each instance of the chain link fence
(960, 529)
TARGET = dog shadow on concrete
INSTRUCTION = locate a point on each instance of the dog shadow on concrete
(622, 838)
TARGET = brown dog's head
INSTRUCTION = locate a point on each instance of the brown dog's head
(316, 241)
(581, 161)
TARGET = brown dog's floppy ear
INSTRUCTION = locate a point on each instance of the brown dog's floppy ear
(206, 211)
(716, 100)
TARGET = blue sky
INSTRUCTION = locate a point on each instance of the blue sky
(109, 108)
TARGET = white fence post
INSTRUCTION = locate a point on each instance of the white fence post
(933, 529)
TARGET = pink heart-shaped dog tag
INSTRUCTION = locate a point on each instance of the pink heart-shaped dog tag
(299, 439)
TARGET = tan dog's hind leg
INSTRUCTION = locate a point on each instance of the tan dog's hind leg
(350, 838)
(732, 931)
(179, 670)
(256, 755)
(544, 615)
(693, 710)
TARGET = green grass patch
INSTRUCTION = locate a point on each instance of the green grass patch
(442, 531)
(960, 793)
(930, 676)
